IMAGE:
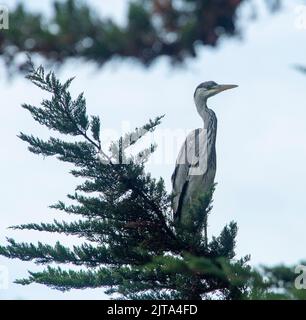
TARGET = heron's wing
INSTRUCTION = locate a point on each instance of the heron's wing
(179, 179)
(198, 153)
(191, 161)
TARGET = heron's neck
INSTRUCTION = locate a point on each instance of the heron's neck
(203, 111)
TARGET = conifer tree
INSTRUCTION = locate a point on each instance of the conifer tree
(131, 246)
(152, 28)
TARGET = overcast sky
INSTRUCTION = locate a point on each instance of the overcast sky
(261, 149)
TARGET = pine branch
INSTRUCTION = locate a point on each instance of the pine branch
(183, 26)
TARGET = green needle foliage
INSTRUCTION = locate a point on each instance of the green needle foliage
(131, 246)
(152, 28)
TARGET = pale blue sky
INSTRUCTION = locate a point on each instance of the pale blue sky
(261, 145)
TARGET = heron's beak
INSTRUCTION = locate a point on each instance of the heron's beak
(222, 87)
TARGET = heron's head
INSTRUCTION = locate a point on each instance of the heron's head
(208, 89)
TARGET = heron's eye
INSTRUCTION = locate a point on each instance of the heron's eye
(210, 85)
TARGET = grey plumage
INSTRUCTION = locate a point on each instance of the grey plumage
(196, 163)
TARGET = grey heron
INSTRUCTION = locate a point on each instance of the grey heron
(196, 163)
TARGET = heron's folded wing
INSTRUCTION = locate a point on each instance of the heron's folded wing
(197, 153)
(179, 176)
(191, 160)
